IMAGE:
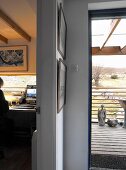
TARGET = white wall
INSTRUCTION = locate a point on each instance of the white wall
(76, 109)
(60, 115)
(49, 123)
(46, 83)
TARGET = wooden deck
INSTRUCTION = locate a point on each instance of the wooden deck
(108, 141)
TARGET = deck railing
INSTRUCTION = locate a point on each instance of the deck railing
(109, 97)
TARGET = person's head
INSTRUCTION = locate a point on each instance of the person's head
(1, 82)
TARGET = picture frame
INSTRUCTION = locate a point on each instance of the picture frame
(62, 32)
(13, 58)
(61, 85)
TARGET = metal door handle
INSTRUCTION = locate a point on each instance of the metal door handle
(37, 110)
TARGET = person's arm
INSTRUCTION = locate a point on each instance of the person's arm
(2, 97)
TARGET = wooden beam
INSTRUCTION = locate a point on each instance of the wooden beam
(14, 26)
(4, 39)
(113, 26)
(116, 50)
(95, 50)
(123, 50)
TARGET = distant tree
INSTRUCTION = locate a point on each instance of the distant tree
(97, 74)
(114, 76)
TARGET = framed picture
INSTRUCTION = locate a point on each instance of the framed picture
(61, 92)
(13, 58)
(62, 32)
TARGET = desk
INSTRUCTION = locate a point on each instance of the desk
(24, 120)
(23, 107)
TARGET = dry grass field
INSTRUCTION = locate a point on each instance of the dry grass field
(105, 74)
(108, 82)
(110, 99)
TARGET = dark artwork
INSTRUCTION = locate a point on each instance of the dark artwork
(61, 85)
(11, 57)
(62, 31)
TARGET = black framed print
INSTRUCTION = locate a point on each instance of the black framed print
(61, 85)
(62, 32)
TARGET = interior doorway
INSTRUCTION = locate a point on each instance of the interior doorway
(18, 71)
(108, 89)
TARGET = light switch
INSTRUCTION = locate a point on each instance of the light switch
(74, 67)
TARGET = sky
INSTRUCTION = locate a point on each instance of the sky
(118, 61)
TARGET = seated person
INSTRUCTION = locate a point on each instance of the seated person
(5, 123)
(22, 100)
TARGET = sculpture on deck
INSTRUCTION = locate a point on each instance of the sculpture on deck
(112, 122)
(101, 115)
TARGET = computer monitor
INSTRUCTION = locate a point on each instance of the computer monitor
(31, 91)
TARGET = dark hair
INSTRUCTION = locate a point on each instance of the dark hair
(1, 82)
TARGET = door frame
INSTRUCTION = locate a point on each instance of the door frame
(95, 15)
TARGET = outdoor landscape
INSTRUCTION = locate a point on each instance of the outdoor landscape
(108, 88)
(108, 76)
(108, 141)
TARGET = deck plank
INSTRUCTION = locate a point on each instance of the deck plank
(108, 140)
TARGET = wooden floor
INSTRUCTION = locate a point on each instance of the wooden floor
(108, 140)
(17, 157)
(102, 169)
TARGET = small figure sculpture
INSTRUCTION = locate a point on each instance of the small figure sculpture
(112, 122)
(101, 115)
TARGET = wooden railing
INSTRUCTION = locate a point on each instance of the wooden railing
(109, 97)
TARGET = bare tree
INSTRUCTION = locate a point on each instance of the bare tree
(97, 74)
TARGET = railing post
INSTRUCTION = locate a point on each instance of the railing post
(124, 125)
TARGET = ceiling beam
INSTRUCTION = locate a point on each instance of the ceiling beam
(4, 39)
(115, 50)
(14, 26)
(123, 50)
(113, 26)
(95, 50)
